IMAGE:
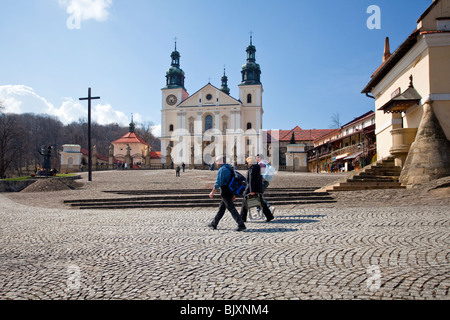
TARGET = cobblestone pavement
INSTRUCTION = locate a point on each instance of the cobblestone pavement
(384, 248)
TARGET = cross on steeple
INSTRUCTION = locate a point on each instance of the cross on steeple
(251, 37)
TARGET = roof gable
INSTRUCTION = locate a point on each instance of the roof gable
(130, 137)
(217, 97)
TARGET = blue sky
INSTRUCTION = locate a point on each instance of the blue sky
(315, 56)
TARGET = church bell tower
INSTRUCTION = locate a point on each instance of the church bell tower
(172, 95)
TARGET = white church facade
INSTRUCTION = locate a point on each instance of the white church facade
(209, 123)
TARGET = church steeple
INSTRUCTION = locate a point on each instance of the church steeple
(132, 126)
(225, 88)
(251, 71)
(175, 76)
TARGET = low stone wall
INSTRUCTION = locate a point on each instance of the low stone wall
(17, 186)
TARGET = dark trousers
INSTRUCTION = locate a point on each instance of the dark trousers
(265, 208)
(227, 203)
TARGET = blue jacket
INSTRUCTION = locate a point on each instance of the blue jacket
(223, 176)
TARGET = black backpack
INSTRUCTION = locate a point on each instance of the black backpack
(238, 183)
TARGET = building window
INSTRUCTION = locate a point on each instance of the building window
(249, 98)
(249, 126)
(208, 123)
(171, 127)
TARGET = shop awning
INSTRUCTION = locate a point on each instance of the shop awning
(342, 156)
(353, 156)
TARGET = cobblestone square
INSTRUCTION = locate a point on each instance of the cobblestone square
(374, 244)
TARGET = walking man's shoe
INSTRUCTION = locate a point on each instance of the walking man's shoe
(212, 226)
(241, 228)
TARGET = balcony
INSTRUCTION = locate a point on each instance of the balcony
(401, 143)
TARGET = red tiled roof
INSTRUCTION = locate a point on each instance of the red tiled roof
(155, 154)
(434, 31)
(130, 137)
(300, 134)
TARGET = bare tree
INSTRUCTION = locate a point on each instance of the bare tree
(335, 121)
(10, 138)
(22, 135)
(144, 130)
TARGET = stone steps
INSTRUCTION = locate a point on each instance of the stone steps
(195, 198)
(380, 175)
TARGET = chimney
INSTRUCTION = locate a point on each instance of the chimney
(387, 50)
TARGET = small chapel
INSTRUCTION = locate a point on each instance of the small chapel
(132, 150)
(196, 128)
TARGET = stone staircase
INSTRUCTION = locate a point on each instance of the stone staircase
(194, 199)
(381, 175)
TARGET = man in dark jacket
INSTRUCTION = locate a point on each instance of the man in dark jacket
(224, 177)
(254, 186)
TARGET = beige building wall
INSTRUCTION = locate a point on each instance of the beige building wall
(137, 151)
(429, 64)
(440, 83)
(415, 64)
(71, 157)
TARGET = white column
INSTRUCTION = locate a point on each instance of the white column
(258, 120)
(233, 120)
(163, 124)
(238, 121)
(163, 150)
(179, 121)
(217, 120)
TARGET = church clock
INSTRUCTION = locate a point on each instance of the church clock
(171, 100)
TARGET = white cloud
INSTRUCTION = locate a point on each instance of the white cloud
(156, 130)
(22, 99)
(88, 9)
(104, 114)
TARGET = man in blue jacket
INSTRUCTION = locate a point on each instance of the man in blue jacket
(224, 177)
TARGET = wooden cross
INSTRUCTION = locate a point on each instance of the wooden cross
(89, 99)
